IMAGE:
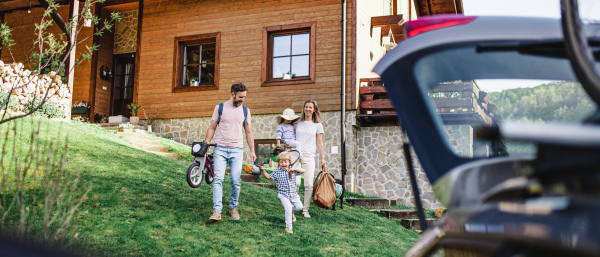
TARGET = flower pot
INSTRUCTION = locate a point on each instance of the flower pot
(134, 120)
(121, 130)
(287, 76)
(149, 128)
(195, 83)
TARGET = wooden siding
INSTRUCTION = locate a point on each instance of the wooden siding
(105, 58)
(240, 24)
(22, 24)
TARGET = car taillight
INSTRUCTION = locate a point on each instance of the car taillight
(424, 24)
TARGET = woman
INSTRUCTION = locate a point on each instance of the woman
(309, 133)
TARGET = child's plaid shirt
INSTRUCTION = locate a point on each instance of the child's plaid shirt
(285, 185)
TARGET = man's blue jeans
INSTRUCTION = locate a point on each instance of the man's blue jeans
(222, 156)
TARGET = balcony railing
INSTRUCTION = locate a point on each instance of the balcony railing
(457, 103)
(463, 103)
(375, 107)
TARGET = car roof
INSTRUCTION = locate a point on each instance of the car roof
(486, 47)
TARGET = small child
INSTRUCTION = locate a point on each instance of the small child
(285, 179)
(285, 131)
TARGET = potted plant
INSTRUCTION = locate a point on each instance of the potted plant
(125, 127)
(134, 119)
(151, 118)
(195, 81)
(289, 75)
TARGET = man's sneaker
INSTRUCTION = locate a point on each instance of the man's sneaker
(215, 216)
(289, 230)
(293, 218)
(306, 215)
(235, 215)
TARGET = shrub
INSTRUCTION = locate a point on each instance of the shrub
(49, 109)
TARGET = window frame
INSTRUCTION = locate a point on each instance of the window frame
(267, 56)
(180, 44)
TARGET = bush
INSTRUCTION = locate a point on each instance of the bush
(49, 109)
(13, 104)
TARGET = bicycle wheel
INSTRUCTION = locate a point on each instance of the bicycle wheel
(578, 48)
(194, 175)
(208, 175)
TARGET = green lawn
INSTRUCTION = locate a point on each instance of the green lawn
(140, 204)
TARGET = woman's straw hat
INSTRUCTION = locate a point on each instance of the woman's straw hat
(288, 114)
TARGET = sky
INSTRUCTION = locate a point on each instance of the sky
(589, 9)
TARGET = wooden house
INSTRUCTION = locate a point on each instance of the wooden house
(180, 58)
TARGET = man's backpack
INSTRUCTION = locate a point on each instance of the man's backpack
(245, 114)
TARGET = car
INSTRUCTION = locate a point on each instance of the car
(531, 188)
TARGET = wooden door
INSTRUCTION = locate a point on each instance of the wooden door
(122, 91)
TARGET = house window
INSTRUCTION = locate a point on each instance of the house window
(289, 54)
(196, 62)
(264, 150)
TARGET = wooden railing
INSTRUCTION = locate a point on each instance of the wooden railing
(456, 103)
(463, 103)
(375, 107)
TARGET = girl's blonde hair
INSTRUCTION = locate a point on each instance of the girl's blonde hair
(284, 156)
(316, 117)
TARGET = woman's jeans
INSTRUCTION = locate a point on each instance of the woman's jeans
(222, 156)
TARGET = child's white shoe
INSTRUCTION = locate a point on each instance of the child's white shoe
(293, 218)
(289, 230)
(306, 215)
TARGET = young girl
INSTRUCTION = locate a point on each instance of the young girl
(285, 179)
(285, 131)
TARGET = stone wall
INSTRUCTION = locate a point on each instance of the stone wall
(190, 130)
(381, 168)
(126, 33)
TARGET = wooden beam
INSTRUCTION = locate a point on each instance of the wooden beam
(377, 104)
(94, 71)
(373, 90)
(73, 12)
(138, 49)
(458, 6)
(384, 21)
(56, 17)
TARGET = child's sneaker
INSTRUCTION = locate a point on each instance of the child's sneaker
(293, 218)
(306, 215)
(289, 230)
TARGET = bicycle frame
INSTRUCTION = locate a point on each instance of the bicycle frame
(203, 163)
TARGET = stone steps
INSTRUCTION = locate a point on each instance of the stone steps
(267, 185)
(143, 141)
(414, 223)
(408, 218)
(371, 203)
(249, 178)
(152, 147)
(400, 214)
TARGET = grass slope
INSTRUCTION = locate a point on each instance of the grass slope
(140, 204)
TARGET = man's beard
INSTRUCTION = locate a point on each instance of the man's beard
(237, 103)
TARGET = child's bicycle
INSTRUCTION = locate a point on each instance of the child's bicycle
(202, 166)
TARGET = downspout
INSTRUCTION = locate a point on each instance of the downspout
(343, 103)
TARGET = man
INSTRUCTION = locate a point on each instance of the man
(228, 120)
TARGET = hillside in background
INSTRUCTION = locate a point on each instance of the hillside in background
(563, 102)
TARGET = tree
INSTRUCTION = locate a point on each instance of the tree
(51, 51)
